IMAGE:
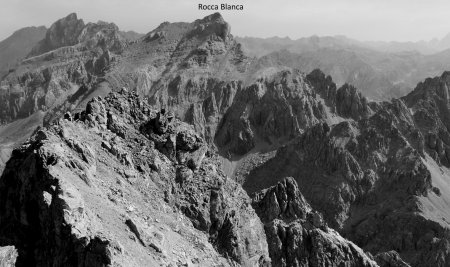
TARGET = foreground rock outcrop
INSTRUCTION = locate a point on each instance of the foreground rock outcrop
(92, 190)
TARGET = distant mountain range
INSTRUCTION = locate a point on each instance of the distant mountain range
(380, 75)
(339, 41)
(381, 70)
(424, 47)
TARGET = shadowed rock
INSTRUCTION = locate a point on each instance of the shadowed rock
(297, 235)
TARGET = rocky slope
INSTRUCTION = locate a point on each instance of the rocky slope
(271, 112)
(122, 185)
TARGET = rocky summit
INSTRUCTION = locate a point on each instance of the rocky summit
(178, 148)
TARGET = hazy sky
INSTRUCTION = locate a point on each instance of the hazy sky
(386, 20)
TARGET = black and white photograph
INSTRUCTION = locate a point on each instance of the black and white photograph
(225, 133)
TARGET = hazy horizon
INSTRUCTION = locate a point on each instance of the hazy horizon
(364, 20)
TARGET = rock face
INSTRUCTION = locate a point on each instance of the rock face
(182, 145)
(270, 111)
(282, 201)
(23, 95)
(369, 174)
(275, 110)
(351, 103)
(429, 103)
(71, 191)
(297, 235)
(346, 101)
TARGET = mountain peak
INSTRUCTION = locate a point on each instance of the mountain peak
(70, 31)
(430, 88)
(213, 23)
(71, 16)
(64, 32)
(70, 19)
(445, 75)
(215, 17)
